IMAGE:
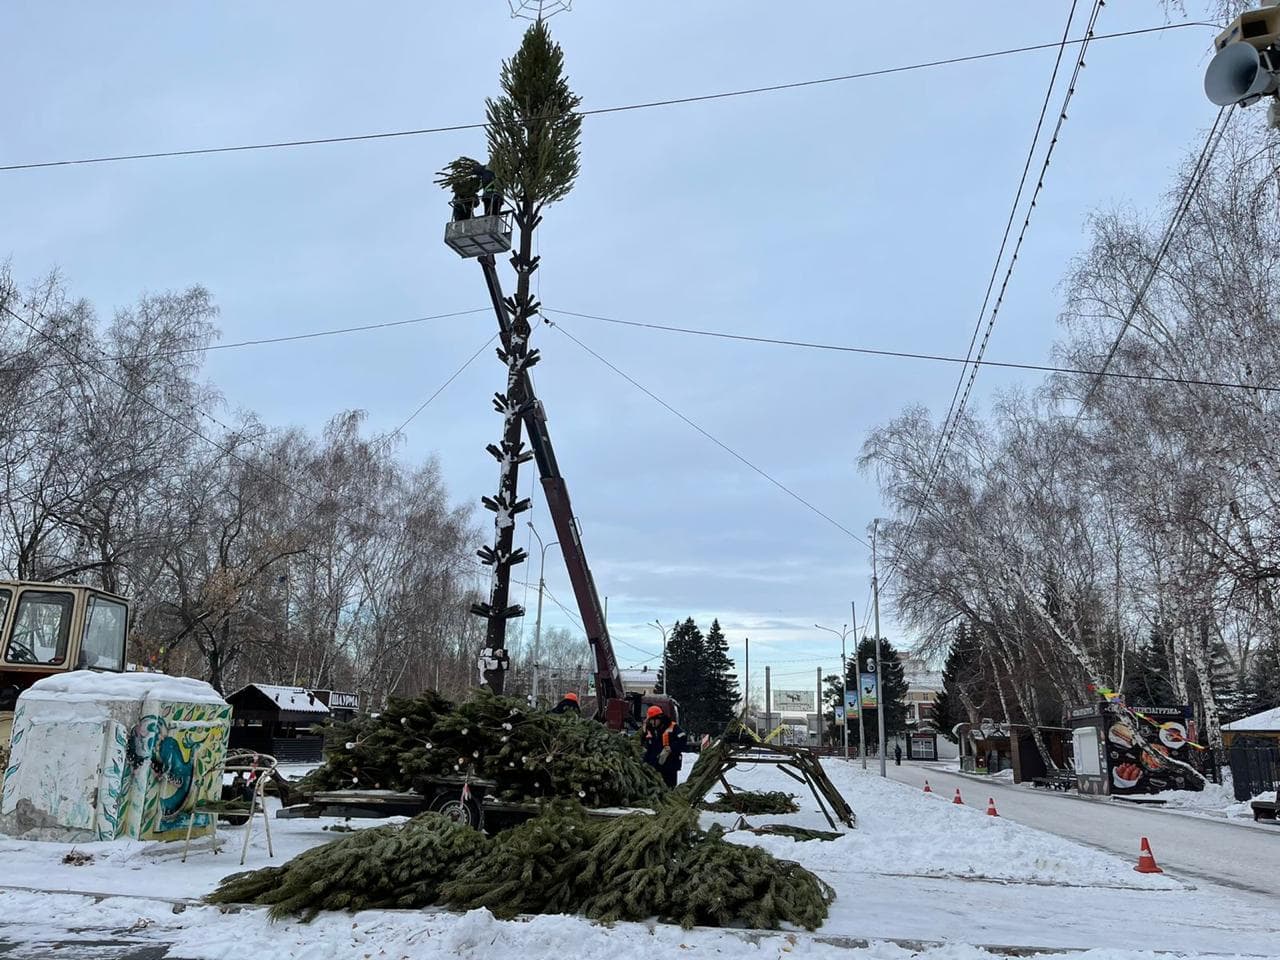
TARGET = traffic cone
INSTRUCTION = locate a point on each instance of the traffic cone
(957, 799)
(991, 807)
(927, 788)
(1146, 862)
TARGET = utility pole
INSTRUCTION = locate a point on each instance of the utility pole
(862, 729)
(844, 676)
(746, 687)
(663, 631)
(817, 708)
(875, 600)
(537, 625)
(768, 705)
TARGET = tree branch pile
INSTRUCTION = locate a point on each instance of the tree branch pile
(529, 753)
(754, 801)
(634, 867)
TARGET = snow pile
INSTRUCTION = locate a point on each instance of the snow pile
(1215, 800)
(1266, 721)
(902, 831)
(88, 685)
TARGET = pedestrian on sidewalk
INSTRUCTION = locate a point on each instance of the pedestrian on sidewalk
(897, 754)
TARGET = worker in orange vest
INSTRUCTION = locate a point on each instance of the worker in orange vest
(568, 705)
(664, 744)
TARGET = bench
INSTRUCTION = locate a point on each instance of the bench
(1265, 809)
(1061, 780)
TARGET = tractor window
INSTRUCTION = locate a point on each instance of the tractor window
(103, 646)
(40, 628)
(5, 596)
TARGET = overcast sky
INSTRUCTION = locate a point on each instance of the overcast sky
(865, 212)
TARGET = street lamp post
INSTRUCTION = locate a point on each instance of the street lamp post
(875, 595)
(663, 630)
(537, 626)
(844, 680)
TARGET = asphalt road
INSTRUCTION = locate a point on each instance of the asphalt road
(1241, 856)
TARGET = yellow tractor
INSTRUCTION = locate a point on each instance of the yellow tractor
(49, 628)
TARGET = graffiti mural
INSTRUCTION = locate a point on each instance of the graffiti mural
(177, 751)
(114, 767)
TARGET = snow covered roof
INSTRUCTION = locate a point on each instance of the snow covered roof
(88, 684)
(1266, 720)
(924, 680)
(293, 699)
(638, 680)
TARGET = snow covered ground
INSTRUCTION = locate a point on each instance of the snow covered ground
(1235, 853)
(919, 870)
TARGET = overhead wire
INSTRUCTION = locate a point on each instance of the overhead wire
(955, 413)
(1190, 188)
(600, 111)
(235, 344)
(714, 439)
(227, 451)
(910, 355)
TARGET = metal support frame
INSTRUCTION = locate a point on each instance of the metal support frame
(261, 767)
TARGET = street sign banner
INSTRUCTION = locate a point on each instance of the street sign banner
(851, 700)
(867, 687)
(839, 716)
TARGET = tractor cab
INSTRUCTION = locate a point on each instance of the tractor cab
(48, 628)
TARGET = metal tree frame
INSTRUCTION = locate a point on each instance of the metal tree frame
(800, 764)
(514, 329)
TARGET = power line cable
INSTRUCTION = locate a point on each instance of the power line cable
(601, 111)
(1198, 172)
(951, 422)
(228, 451)
(909, 355)
(718, 442)
(1192, 186)
(290, 338)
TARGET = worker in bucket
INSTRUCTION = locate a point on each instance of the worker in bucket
(568, 705)
(664, 744)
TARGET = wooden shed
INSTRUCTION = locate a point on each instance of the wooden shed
(277, 720)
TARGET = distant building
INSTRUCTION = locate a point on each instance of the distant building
(924, 685)
(1263, 726)
(640, 680)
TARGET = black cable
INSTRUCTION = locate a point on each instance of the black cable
(315, 334)
(600, 111)
(908, 355)
(951, 423)
(1184, 204)
(719, 443)
(228, 452)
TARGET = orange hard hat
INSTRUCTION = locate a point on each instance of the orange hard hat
(654, 711)
(571, 696)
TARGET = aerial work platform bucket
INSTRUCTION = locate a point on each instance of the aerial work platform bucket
(477, 236)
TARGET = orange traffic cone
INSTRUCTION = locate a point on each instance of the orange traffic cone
(927, 788)
(957, 799)
(991, 807)
(1146, 862)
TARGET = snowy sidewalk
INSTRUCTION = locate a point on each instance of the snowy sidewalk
(917, 870)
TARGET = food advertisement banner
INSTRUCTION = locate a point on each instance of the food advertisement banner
(1147, 748)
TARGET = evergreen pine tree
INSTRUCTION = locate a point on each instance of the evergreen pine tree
(962, 678)
(685, 673)
(1146, 681)
(893, 688)
(1261, 688)
(722, 682)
